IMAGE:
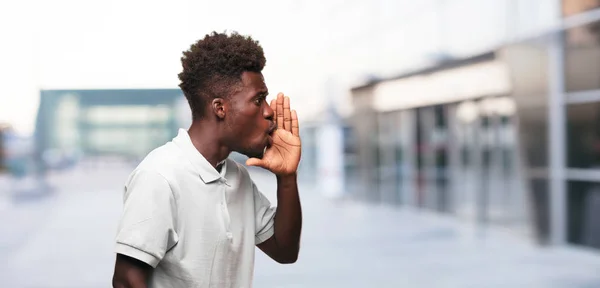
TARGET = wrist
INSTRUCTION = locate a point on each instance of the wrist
(287, 175)
(290, 177)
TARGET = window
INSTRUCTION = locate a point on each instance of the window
(583, 135)
(582, 44)
(533, 132)
(583, 211)
(540, 198)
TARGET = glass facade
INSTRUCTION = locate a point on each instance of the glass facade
(581, 45)
(128, 123)
(387, 175)
(582, 125)
(350, 161)
(583, 135)
(308, 163)
(132, 129)
(527, 158)
(582, 218)
(466, 158)
(492, 157)
(496, 159)
(457, 158)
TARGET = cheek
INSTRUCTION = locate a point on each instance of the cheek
(247, 126)
(255, 130)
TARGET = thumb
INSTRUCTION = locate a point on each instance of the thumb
(255, 162)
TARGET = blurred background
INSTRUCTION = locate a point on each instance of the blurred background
(446, 143)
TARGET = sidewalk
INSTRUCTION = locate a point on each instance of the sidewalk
(359, 245)
(344, 244)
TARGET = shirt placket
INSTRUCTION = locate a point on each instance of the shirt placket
(225, 209)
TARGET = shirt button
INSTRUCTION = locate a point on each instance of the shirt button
(229, 235)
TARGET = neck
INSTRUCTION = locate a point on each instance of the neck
(205, 138)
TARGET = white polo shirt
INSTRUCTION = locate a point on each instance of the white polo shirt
(197, 227)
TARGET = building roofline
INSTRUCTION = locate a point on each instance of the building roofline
(446, 65)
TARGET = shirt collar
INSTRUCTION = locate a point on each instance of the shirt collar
(207, 172)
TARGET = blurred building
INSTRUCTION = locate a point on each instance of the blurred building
(443, 138)
(4, 130)
(125, 122)
(505, 133)
(15, 152)
(128, 123)
(308, 162)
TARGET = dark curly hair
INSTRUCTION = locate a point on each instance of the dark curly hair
(213, 67)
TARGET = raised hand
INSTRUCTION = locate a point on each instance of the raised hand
(283, 157)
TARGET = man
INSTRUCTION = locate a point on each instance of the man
(192, 217)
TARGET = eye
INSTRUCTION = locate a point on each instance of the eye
(258, 101)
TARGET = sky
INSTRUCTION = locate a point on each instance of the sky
(92, 44)
(316, 50)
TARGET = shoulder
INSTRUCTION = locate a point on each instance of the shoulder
(165, 156)
(158, 165)
(239, 170)
(236, 167)
(239, 175)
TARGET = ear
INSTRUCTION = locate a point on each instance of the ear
(218, 107)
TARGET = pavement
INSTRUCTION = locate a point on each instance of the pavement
(66, 240)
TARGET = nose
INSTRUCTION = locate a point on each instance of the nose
(268, 112)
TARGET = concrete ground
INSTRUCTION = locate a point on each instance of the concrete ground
(66, 240)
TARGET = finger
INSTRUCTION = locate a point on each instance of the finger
(279, 111)
(295, 126)
(287, 115)
(255, 162)
(274, 107)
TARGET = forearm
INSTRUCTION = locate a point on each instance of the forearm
(125, 284)
(130, 273)
(288, 218)
(129, 279)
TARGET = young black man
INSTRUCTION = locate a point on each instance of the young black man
(191, 216)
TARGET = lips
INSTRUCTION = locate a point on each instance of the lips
(269, 135)
(272, 129)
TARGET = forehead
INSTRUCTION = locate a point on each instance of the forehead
(253, 82)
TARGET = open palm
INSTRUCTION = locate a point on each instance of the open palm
(283, 157)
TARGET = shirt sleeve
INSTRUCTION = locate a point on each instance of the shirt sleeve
(147, 226)
(264, 216)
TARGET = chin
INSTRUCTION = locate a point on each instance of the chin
(260, 153)
(255, 153)
(257, 148)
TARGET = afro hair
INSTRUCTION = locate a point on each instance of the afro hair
(213, 66)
